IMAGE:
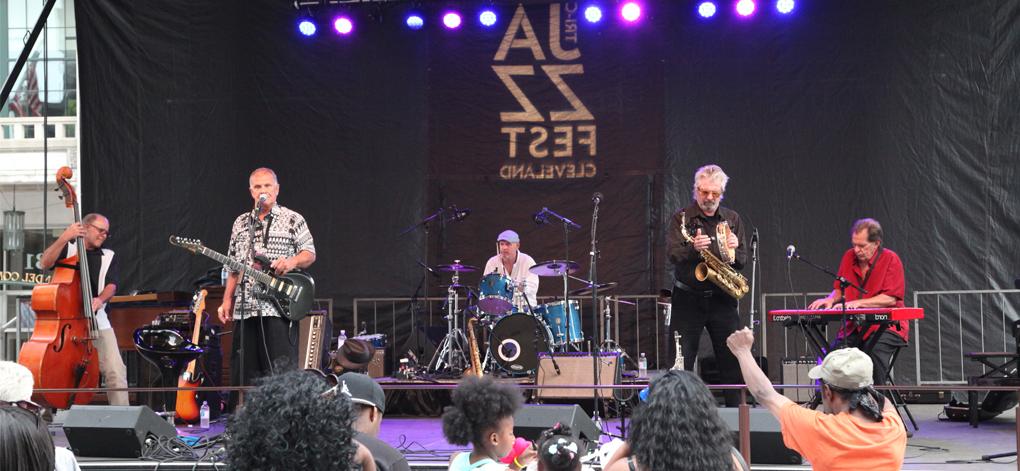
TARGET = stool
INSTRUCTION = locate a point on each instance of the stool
(170, 352)
(895, 396)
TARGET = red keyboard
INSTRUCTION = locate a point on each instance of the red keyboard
(871, 314)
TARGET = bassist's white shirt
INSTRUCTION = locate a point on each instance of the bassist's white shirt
(102, 320)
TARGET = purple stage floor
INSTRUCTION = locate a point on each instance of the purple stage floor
(938, 445)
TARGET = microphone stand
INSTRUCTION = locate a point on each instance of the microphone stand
(567, 226)
(596, 350)
(843, 284)
(244, 292)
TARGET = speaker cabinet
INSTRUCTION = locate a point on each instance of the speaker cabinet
(314, 341)
(795, 371)
(532, 419)
(113, 431)
(766, 439)
(576, 368)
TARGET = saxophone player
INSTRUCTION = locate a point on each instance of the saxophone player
(698, 303)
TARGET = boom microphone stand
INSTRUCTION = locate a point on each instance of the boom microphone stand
(843, 283)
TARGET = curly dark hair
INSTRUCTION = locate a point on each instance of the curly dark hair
(288, 423)
(558, 450)
(478, 406)
(27, 444)
(679, 427)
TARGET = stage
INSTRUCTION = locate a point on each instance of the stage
(938, 445)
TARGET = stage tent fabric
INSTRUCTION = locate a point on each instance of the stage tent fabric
(901, 111)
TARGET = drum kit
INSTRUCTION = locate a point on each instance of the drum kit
(517, 332)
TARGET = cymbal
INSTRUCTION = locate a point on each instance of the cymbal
(555, 268)
(456, 267)
(587, 288)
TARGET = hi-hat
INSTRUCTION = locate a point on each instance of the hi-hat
(457, 267)
(454, 286)
(555, 268)
(587, 289)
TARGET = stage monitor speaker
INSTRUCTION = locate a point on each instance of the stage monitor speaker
(576, 368)
(532, 419)
(114, 431)
(766, 439)
(795, 371)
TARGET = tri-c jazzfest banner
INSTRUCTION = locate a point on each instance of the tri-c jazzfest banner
(544, 95)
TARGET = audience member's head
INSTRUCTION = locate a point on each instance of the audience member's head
(25, 443)
(292, 420)
(846, 379)
(16, 382)
(558, 451)
(368, 400)
(353, 356)
(679, 427)
(482, 415)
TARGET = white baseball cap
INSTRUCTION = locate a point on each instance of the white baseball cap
(846, 368)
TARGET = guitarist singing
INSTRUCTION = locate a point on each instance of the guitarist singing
(280, 238)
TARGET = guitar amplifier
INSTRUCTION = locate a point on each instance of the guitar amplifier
(795, 371)
(314, 340)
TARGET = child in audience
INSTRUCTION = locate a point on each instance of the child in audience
(558, 451)
(482, 415)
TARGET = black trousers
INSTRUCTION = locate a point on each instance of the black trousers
(693, 313)
(887, 344)
(270, 345)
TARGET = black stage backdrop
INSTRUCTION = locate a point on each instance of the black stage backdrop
(901, 111)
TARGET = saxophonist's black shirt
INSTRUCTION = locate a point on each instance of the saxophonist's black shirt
(682, 254)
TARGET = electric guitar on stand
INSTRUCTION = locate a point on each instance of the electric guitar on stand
(187, 403)
(292, 293)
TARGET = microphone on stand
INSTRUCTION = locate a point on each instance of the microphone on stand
(541, 217)
(460, 214)
(791, 252)
(596, 198)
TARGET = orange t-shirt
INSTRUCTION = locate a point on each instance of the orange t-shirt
(842, 441)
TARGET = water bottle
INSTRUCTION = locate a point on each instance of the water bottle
(642, 366)
(203, 414)
(223, 276)
(341, 339)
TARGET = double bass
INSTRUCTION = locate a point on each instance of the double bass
(61, 353)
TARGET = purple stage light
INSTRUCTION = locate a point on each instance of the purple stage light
(307, 27)
(343, 25)
(451, 20)
(785, 6)
(707, 9)
(631, 11)
(415, 21)
(593, 14)
(745, 7)
(487, 18)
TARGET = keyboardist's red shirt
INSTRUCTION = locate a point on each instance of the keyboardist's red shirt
(886, 278)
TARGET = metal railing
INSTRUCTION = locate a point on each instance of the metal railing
(958, 322)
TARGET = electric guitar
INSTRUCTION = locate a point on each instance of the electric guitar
(292, 293)
(187, 403)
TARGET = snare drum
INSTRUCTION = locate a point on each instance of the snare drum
(496, 294)
(516, 341)
(557, 321)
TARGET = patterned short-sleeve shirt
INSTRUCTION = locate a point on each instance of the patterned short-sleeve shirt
(283, 233)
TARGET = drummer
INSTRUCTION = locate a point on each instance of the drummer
(509, 261)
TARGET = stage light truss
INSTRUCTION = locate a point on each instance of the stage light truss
(317, 16)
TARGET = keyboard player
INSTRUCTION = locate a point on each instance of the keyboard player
(880, 272)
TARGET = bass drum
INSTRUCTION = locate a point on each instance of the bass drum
(516, 340)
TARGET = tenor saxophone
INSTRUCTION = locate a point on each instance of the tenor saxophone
(476, 362)
(715, 270)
